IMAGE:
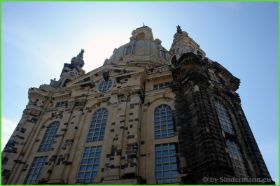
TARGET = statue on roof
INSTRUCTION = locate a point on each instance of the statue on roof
(81, 54)
(78, 61)
(179, 30)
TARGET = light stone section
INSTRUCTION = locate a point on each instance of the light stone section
(141, 49)
(128, 148)
(183, 43)
(129, 130)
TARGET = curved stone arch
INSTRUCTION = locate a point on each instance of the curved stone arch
(94, 106)
(165, 99)
(159, 101)
(86, 120)
(52, 122)
(164, 125)
(49, 133)
(91, 124)
(91, 109)
(100, 108)
(148, 129)
(49, 121)
(150, 113)
(97, 109)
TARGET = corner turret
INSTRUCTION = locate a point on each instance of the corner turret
(78, 61)
(70, 71)
(182, 43)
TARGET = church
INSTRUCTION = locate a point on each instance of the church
(148, 115)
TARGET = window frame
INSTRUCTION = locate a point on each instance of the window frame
(48, 139)
(224, 118)
(166, 163)
(89, 164)
(98, 125)
(164, 125)
(105, 86)
(237, 161)
(35, 170)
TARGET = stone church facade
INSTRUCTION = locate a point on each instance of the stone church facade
(148, 115)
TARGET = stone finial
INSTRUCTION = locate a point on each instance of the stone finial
(81, 54)
(78, 60)
(179, 30)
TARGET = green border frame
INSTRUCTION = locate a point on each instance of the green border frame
(170, 1)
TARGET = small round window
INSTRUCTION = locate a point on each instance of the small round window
(104, 86)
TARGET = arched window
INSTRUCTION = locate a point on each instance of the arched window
(35, 170)
(48, 138)
(89, 165)
(104, 86)
(223, 118)
(236, 159)
(166, 163)
(163, 121)
(97, 126)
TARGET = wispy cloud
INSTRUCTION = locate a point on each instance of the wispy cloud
(42, 52)
(97, 53)
(50, 55)
(8, 127)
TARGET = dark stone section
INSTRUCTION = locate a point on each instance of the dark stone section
(201, 147)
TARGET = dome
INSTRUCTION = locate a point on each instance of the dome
(142, 48)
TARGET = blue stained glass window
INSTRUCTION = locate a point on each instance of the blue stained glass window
(35, 170)
(236, 159)
(223, 118)
(104, 86)
(89, 165)
(163, 122)
(166, 163)
(96, 133)
(48, 138)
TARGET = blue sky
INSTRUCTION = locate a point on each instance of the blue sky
(38, 38)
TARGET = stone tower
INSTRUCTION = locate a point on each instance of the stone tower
(148, 115)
